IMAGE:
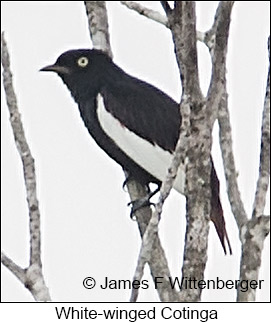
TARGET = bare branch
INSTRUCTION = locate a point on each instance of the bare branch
(182, 21)
(15, 269)
(156, 16)
(31, 277)
(26, 157)
(220, 34)
(217, 102)
(225, 138)
(148, 253)
(198, 196)
(195, 254)
(157, 260)
(197, 145)
(98, 25)
(264, 173)
(223, 11)
(254, 232)
(149, 13)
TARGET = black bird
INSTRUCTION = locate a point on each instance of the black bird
(132, 121)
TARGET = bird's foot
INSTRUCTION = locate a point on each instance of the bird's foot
(142, 202)
(138, 204)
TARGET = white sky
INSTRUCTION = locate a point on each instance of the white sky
(86, 228)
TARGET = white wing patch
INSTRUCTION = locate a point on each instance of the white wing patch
(152, 158)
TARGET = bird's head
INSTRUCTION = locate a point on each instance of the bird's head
(82, 70)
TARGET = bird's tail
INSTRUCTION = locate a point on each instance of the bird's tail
(217, 212)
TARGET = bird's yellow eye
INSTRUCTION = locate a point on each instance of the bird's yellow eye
(82, 61)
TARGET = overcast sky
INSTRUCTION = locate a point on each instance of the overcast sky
(86, 228)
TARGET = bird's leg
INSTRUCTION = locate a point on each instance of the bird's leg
(145, 201)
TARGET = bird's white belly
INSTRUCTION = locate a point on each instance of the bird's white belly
(151, 157)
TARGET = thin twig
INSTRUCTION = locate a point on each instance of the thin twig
(149, 13)
(157, 17)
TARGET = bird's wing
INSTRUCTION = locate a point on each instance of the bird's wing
(140, 134)
(145, 110)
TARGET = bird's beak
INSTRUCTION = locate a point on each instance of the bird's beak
(55, 68)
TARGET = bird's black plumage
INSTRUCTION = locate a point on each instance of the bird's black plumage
(144, 112)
